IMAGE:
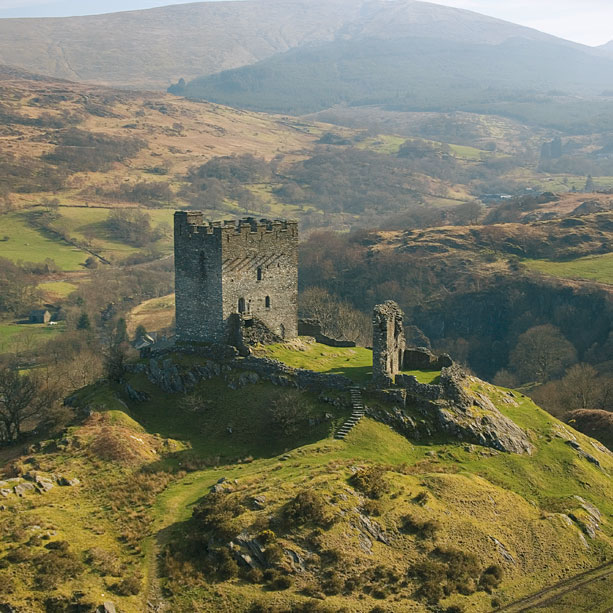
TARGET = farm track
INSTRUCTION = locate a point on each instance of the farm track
(552, 594)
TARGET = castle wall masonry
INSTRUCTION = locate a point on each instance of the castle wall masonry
(245, 266)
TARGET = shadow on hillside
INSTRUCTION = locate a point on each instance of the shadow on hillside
(359, 374)
(219, 425)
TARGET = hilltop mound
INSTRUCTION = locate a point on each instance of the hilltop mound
(275, 514)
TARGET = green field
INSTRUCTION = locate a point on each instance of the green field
(566, 183)
(88, 223)
(27, 244)
(60, 289)
(593, 268)
(14, 336)
(390, 144)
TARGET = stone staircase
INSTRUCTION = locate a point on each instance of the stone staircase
(357, 414)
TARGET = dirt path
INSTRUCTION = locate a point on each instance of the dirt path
(172, 507)
(551, 594)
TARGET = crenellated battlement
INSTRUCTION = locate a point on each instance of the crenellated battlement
(193, 222)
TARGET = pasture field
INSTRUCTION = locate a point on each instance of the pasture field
(155, 314)
(88, 223)
(21, 337)
(352, 362)
(593, 268)
(21, 242)
(56, 290)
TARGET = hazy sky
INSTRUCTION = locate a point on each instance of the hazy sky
(585, 21)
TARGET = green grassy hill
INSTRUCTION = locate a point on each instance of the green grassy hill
(372, 521)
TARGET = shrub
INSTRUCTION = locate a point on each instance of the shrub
(449, 570)
(308, 507)
(373, 508)
(55, 567)
(21, 554)
(288, 413)
(491, 578)
(370, 481)
(276, 580)
(7, 585)
(216, 514)
(221, 564)
(333, 584)
(273, 554)
(129, 586)
(266, 536)
(62, 546)
(105, 562)
(424, 529)
(254, 575)
(282, 582)
(421, 498)
(380, 593)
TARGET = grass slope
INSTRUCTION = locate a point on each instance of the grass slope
(135, 498)
(23, 243)
(594, 268)
(352, 362)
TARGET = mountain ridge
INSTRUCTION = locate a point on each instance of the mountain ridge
(152, 48)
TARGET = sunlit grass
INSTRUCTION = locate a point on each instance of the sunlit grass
(594, 268)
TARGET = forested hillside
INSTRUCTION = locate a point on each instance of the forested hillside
(517, 78)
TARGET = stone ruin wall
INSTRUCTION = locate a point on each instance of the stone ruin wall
(388, 343)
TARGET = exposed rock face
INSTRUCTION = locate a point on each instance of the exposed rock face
(449, 408)
(238, 372)
(388, 342)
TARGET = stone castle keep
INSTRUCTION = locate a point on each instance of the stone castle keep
(234, 272)
(237, 286)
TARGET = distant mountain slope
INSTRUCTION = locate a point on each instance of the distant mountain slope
(152, 48)
(607, 48)
(409, 73)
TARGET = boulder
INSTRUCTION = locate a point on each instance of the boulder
(43, 483)
(66, 482)
(106, 607)
(23, 488)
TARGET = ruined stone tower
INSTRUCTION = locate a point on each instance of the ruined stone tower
(247, 267)
(388, 342)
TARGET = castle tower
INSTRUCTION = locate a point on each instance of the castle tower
(388, 345)
(244, 266)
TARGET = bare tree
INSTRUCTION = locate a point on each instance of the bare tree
(582, 387)
(22, 397)
(542, 352)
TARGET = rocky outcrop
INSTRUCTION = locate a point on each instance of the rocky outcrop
(237, 372)
(448, 408)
